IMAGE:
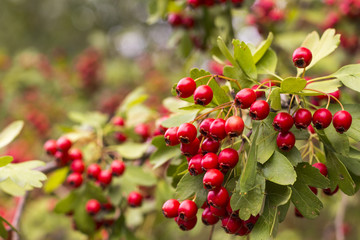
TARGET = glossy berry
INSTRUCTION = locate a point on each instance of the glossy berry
(117, 167)
(213, 179)
(50, 147)
(234, 126)
(245, 97)
(218, 198)
(228, 158)
(118, 121)
(302, 57)
(194, 3)
(342, 121)
(329, 192)
(285, 141)
(186, 225)
(204, 126)
(143, 131)
(210, 145)
(120, 137)
(63, 144)
(93, 207)
(302, 118)
(209, 161)
(75, 153)
(218, 212)
(314, 190)
(77, 166)
(170, 208)
(217, 129)
(208, 218)
(259, 110)
(105, 177)
(322, 118)
(187, 210)
(311, 129)
(230, 211)
(203, 95)
(93, 171)
(186, 87)
(62, 158)
(190, 149)
(186, 133)
(250, 223)
(134, 199)
(74, 179)
(231, 224)
(195, 167)
(322, 168)
(170, 136)
(259, 93)
(283, 122)
(174, 19)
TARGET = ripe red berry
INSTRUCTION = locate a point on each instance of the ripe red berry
(210, 145)
(135, 199)
(250, 223)
(118, 121)
(234, 126)
(194, 3)
(283, 122)
(170, 208)
(186, 225)
(311, 129)
(120, 137)
(245, 97)
(50, 147)
(204, 126)
(75, 153)
(170, 136)
(62, 158)
(209, 161)
(74, 179)
(77, 166)
(195, 165)
(186, 133)
(302, 57)
(230, 211)
(231, 224)
(105, 177)
(217, 129)
(298, 213)
(208, 218)
(188, 22)
(322, 118)
(93, 206)
(186, 87)
(218, 198)
(314, 190)
(329, 192)
(335, 94)
(187, 210)
(174, 19)
(228, 158)
(203, 95)
(143, 131)
(259, 110)
(302, 118)
(117, 167)
(322, 168)
(93, 171)
(342, 121)
(190, 149)
(259, 93)
(219, 212)
(213, 179)
(285, 141)
(63, 144)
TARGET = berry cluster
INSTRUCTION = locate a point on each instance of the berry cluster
(142, 130)
(265, 12)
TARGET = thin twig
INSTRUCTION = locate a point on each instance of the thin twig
(211, 232)
(17, 216)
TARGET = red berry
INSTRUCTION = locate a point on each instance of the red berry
(203, 95)
(62, 158)
(75, 153)
(143, 131)
(228, 158)
(186, 225)
(259, 110)
(259, 93)
(314, 190)
(190, 149)
(208, 218)
(170, 136)
(209, 161)
(118, 121)
(335, 94)
(186, 133)
(322, 118)
(117, 167)
(298, 213)
(230, 211)
(170, 208)
(74, 179)
(302, 57)
(63, 144)
(161, 128)
(195, 165)
(93, 171)
(217, 129)
(187, 210)
(174, 19)
(213, 179)
(120, 137)
(245, 97)
(50, 147)
(311, 129)
(342, 121)
(218, 198)
(93, 206)
(77, 166)
(231, 224)
(329, 192)
(302, 118)
(283, 122)
(105, 177)
(234, 126)
(188, 22)
(322, 168)
(218, 212)
(210, 145)
(194, 3)
(285, 141)
(204, 126)
(186, 87)
(250, 223)
(135, 199)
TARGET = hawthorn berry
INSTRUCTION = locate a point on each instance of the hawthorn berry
(142, 130)
(234, 126)
(231, 224)
(217, 129)
(218, 212)
(62, 158)
(77, 166)
(190, 149)
(118, 121)
(245, 97)
(75, 153)
(134, 199)
(330, 192)
(93, 206)
(210, 145)
(188, 22)
(93, 171)
(311, 129)
(285, 141)
(203, 95)
(195, 167)
(194, 3)
(187, 210)
(204, 126)
(186, 133)
(314, 190)
(209, 161)
(117, 167)
(322, 168)
(298, 213)
(104, 177)
(213, 179)
(250, 223)
(322, 118)
(174, 19)
(120, 137)
(74, 179)
(228, 158)
(302, 118)
(302, 57)
(259, 110)
(218, 198)
(186, 225)
(170, 208)
(283, 122)
(186, 87)
(63, 144)
(208, 218)
(342, 121)
(170, 136)
(50, 147)
(259, 93)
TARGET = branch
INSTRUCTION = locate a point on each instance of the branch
(244, 141)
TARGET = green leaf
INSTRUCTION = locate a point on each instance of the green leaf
(67, 204)
(354, 130)
(328, 86)
(95, 119)
(189, 186)
(263, 47)
(84, 222)
(311, 176)
(278, 194)
(131, 150)
(279, 170)
(3, 232)
(275, 100)
(300, 134)
(5, 160)
(349, 75)
(134, 98)
(351, 163)
(339, 142)
(179, 118)
(236, 73)
(244, 59)
(56, 179)
(163, 153)
(293, 85)
(266, 143)
(139, 176)
(294, 156)
(267, 64)
(8, 134)
(225, 51)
